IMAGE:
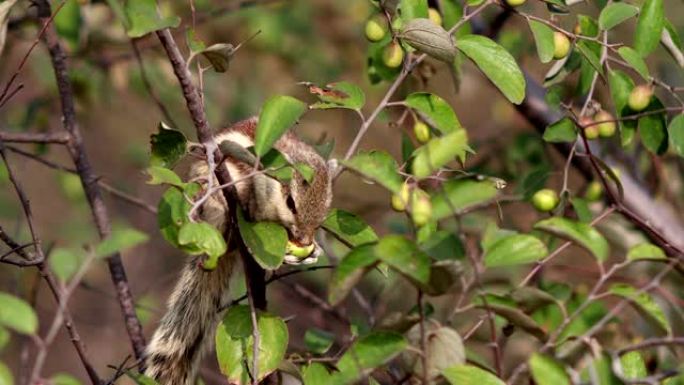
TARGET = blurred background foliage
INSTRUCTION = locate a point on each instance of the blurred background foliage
(319, 41)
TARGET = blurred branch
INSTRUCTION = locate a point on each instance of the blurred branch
(78, 154)
(126, 197)
(148, 85)
(39, 261)
(59, 137)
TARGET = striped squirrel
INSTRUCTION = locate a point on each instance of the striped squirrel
(186, 330)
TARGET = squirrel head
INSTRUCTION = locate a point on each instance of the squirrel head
(298, 205)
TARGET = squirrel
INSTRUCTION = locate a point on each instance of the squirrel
(186, 330)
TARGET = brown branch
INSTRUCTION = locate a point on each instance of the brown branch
(45, 272)
(78, 154)
(34, 137)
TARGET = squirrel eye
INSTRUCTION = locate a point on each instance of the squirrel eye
(291, 204)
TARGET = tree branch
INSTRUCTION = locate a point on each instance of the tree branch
(78, 154)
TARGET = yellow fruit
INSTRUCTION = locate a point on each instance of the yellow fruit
(399, 201)
(434, 15)
(608, 127)
(577, 30)
(591, 130)
(640, 97)
(545, 200)
(515, 3)
(561, 45)
(421, 207)
(421, 131)
(376, 28)
(299, 251)
(393, 55)
(594, 191)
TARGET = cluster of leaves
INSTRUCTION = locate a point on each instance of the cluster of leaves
(430, 253)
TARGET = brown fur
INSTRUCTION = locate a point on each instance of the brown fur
(185, 331)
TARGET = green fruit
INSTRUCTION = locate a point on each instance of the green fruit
(421, 207)
(594, 191)
(376, 28)
(399, 201)
(591, 130)
(561, 45)
(545, 200)
(393, 55)
(421, 131)
(434, 15)
(299, 251)
(515, 3)
(608, 127)
(640, 97)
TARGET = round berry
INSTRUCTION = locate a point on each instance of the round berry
(434, 15)
(399, 201)
(421, 131)
(545, 200)
(608, 127)
(640, 97)
(421, 207)
(561, 45)
(393, 55)
(376, 28)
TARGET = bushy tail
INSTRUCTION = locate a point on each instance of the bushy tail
(173, 356)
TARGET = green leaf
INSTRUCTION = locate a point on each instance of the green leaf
(644, 304)
(203, 238)
(266, 241)
(307, 172)
(349, 272)
(366, 354)
(315, 374)
(509, 310)
(219, 56)
(543, 38)
(581, 207)
(144, 18)
(339, 95)
(443, 245)
(460, 195)
(496, 63)
(168, 146)
(649, 27)
(4, 338)
(438, 152)
(470, 375)
(162, 175)
(444, 348)
(412, 9)
(140, 379)
(194, 42)
(634, 59)
(514, 250)
(581, 233)
(318, 341)
(378, 166)
(434, 110)
(405, 257)
(234, 344)
(561, 131)
(17, 314)
(591, 57)
(620, 87)
(6, 377)
(616, 13)
(68, 22)
(172, 211)
(277, 116)
(65, 262)
(546, 371)
(64, 379)
(676, 134)
(653, 128)
(349, 228)
(645, 251)
(427, 37)
(633, 365)
(119, 240)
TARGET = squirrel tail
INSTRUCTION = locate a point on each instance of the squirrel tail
(174, 354)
